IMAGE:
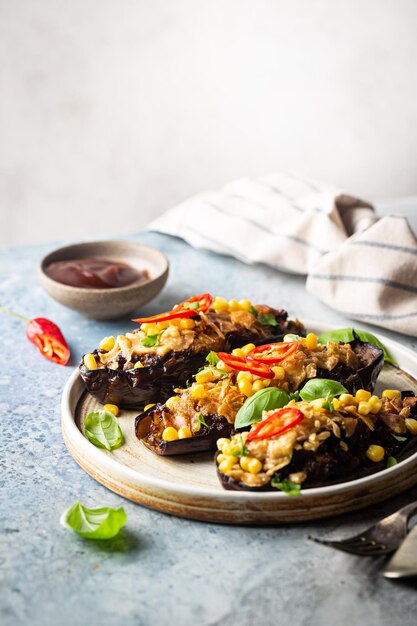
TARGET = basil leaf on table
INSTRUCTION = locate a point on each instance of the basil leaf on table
(103, 430)
(346, 335)
(317, 388)
(263, 400)
(102, 523)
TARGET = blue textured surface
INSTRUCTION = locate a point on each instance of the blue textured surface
(160, 569)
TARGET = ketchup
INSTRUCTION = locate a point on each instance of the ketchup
(96, 273)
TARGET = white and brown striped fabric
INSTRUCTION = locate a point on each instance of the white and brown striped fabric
(360, 265)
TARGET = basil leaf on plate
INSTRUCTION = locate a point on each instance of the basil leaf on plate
(241, 450)
(102, 523)
(201, 422)
(267, 320)
(286, 485)
(151, 340)
(263, 400)
(212, 358)
(317, 388)
(191, 305)
(346, 335)
(103, 430)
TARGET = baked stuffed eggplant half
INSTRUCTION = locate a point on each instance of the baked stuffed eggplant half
(313, 444)
(144, 365)
(191, 420)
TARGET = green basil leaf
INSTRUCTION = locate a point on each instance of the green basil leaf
(263, 400)
(151, 340)
(201, 422)
(267, 320)
(286, 485)
(346, 335)
(317, 388)
(242, 450)
(328, 404)
(391, 461)
(103, 430)
(253, 311)
(212, 358)
(398, 438)
(215, 371)
(102, 523)
(191, 305)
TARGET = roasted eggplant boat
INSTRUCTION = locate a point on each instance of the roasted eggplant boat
(145, 365)
(312, 444)
(192, 420)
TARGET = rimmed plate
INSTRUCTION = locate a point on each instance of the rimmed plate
(188, 486)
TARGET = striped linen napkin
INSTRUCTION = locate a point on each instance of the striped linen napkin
(302, 227)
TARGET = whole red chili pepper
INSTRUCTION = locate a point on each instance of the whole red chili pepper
(46, 336)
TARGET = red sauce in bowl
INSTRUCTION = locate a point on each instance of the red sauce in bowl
(96, 273)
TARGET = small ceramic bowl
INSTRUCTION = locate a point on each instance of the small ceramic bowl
(107, 304)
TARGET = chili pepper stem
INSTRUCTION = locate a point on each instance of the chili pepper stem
(13, 314)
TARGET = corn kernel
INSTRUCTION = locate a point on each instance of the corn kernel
(254, 466)
(279, 372)
(151, 329)
(171, 402)
(223, 441)
(220, 458)
(234, 305)
(411, 425)
(336, 404)
(170, 434)
(197, 391)
(363, 408)
(162, 325)
(113, 408)
(138, 364)
(243, 376)
(362, 395)
(175, 322)
(347, 399)
(188, 324)
(245, 386)
(184, 433)
(107, 344)
(90, 362)
(205, 377)
(257, 385)
(245, 305)
(149, 406)
(375, 404)
(246, 349)
(237, 352)
(391, 394)
(220, 304)
(311, 341)
(244, 462)
(227, 464)
(375, 453)
(266, 382)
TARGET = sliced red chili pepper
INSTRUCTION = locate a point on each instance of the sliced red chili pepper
(273, 352)
(279, 422)
(164, 317)
(49, 340)
(181, 310)
(241, 364)
(204, 302)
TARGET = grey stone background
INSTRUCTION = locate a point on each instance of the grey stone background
(111, 112)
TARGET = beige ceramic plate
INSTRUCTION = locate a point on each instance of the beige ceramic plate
(189, 487)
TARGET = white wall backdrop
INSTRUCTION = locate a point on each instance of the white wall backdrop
(113, 110)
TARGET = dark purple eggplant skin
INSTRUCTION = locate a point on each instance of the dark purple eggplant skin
(205, 441)
(135, 388)
(333, 465)
(372, 361)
